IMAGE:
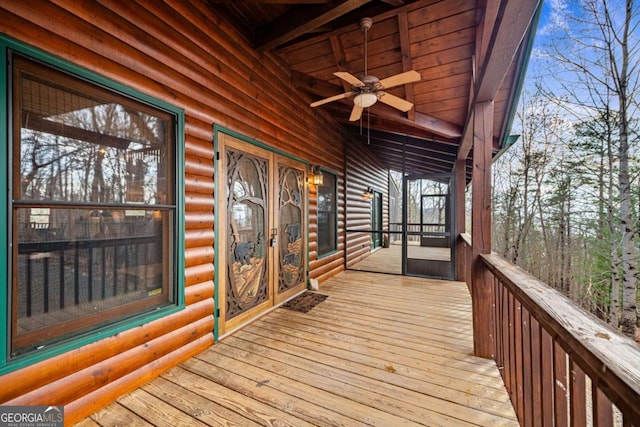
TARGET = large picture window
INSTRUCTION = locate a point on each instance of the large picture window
(92, 209)
(327, 215)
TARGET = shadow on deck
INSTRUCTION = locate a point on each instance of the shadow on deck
(381, 350)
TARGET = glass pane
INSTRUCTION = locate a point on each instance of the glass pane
(75, 265)
(291, 241)
(88, 246)
(247, 279)
(327, 215)
(79, 143)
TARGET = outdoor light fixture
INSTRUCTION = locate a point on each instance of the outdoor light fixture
(365, 99)
(368, 193)
(316, 176)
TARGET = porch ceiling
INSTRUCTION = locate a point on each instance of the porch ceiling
(465, 51)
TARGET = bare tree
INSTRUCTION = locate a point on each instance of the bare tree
(599, 49)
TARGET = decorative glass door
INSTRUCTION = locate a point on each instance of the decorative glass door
(291, 212)
(262, 244)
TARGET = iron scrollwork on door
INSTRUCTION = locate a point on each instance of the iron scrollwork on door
(247, 213)
(291, 245)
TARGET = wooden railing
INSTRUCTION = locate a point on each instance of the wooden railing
(561, 365)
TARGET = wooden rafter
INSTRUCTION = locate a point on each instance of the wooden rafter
(301, 20)
(338, 53)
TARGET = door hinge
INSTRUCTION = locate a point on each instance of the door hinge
(217, 155)
(217, 313)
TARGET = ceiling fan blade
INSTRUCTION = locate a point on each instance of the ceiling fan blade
(400, 79)
(349, 78)
(356, 113)
(394, 101)
(331, 99)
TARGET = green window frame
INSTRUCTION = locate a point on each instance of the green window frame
(95, 211)
(328, 214)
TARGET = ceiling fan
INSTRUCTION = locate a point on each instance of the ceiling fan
(368, 90)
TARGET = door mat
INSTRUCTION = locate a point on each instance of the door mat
(305, 302)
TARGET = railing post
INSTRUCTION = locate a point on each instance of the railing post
(481, 283)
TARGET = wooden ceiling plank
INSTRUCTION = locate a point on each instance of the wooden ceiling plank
(407, 64)
(301, 20)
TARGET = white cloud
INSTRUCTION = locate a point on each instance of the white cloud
(556, 19)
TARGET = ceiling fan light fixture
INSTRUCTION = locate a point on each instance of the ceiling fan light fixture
(365, 99)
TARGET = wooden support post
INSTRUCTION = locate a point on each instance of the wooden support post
(481, 285)
(460, 181)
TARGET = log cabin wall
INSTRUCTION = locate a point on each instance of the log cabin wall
(363, 170)
(180, 52)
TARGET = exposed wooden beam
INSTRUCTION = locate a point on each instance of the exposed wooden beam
(422, 122)
(512, 23)
(393, 2)
(301, 20)
(338, 54)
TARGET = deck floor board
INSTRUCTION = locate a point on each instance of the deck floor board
(381, 350)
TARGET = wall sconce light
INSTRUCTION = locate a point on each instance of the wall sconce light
(316, 177)
(368, 193)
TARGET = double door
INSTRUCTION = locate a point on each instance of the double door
(262, 236)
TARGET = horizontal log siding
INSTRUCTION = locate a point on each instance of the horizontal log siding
(183, 53)
(363, 170)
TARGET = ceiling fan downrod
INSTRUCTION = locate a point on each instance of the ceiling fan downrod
(365, 25)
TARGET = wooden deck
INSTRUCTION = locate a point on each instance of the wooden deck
(381, 350)
(389, 260)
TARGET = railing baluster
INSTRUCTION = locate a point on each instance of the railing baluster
(506, 348)
(561, 386)
(103, 275)
(512, 353)
(90, 274)
(527, 391)
(61, 278)
(577, 393)
(517, 325)
(115, 271)
(45, 305)
(602, 408)
(546, 378)
(76, 274)
(29, 292)
(499, 329)
(536, 372)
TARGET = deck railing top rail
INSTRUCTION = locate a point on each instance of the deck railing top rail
(611, 361)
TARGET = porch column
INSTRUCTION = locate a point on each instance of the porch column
(459, 217)
(481, 284)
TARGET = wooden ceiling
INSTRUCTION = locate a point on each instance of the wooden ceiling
(466, 51)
